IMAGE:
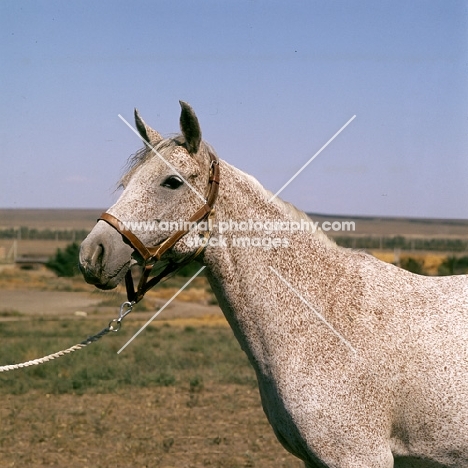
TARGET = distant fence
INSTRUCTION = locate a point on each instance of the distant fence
(31, 260)
(353, 241)
(26, 233)
(403, 243)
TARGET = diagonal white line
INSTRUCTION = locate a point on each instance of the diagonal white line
(319, 315)
(159, 155)
(312, 158)
(161, 309)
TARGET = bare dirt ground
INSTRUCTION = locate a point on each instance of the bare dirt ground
(145, 428)
(71, 304)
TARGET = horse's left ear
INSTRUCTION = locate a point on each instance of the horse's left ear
(148, 134)
(190, 128)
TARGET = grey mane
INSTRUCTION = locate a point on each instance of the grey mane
(293, 213)
(145, 154)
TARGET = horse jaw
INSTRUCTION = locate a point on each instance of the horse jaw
(104, 257)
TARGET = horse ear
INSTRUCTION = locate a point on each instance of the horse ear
(190, 128)
(146, 132)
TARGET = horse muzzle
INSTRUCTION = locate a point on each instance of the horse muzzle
(104, 257)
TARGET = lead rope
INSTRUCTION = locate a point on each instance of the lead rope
(114, 326)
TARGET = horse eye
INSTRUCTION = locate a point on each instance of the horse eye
(172, 182)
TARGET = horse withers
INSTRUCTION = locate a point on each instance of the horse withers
(360, 364)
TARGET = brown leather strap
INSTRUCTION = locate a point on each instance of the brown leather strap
(200, 215)
(156, 252)
(132, 239)
(151, 254)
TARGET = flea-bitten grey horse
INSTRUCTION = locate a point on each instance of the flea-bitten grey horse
(359, 363)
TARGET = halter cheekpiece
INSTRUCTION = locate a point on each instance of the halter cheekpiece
(151, 255)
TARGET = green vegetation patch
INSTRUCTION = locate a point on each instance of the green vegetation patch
(453, 265)
(160, 356)
(65, 262)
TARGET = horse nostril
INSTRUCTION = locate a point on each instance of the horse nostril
(91, 258)
(91, 262)
(97, 256)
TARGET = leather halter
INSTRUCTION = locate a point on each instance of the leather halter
(151, 255)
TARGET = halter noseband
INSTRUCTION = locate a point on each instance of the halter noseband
(151, 255)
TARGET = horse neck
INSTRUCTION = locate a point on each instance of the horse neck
(242, 198)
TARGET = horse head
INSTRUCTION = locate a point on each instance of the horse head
(165, 184)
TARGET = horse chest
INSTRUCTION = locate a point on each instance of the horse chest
(284, 422)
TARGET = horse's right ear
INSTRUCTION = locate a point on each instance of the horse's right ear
(190, 128)
(148, 134)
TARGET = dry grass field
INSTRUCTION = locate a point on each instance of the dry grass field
(49, 218)
(181, 395)
(408, 227)
(149, 427)
(430, 260)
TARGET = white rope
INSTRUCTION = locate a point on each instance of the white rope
(50, 357)
(41, 360)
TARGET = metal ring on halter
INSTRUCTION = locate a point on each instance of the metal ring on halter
(125, 308)
(123, 313)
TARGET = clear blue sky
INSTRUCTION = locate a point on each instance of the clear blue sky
(271, 82)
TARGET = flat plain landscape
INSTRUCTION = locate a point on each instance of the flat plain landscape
(86, 218)
(181, 395)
